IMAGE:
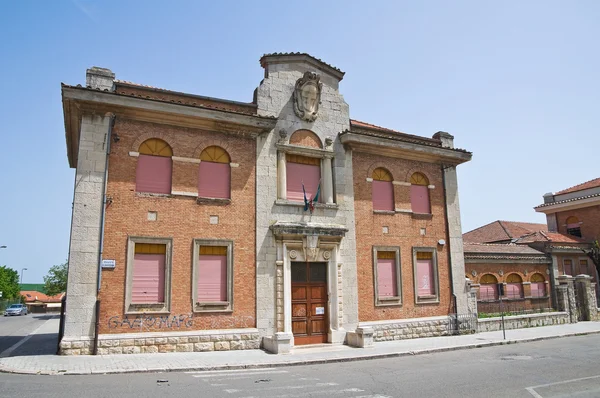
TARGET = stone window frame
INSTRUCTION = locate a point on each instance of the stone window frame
(326, 157)
(158, 308)
(216, 306)
(433, 299)
(387, 301)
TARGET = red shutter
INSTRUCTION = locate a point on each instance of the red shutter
(214, 180)
(148, 284)
(419, 199)
(425, 280)
(383, 195)
(212, 278)
(153, 174)
(488, 291)
(538, 289)
(295, 174)
(386, 278)
(514, 290)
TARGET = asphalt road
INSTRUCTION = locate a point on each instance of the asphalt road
(15, 328)
(545, 369)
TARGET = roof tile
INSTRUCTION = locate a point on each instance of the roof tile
(595, 183)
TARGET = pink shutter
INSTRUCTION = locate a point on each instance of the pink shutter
(212, 278)
(488, 291)
(538, 289)
(386, 278)
(419, 199)
(383, 195)
(153, 174)
(514, 290)
(295, 174)
(148, 284)
(425, 280)
(214, 180)
(568, 267)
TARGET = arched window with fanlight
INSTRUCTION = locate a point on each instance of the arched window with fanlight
(419, 193)
(573, 226)
(214, 178)
(154, 166)
(514, 286)
(383, 190)
(488, 288)
(538, 285)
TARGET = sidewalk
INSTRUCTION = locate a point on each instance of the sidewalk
(133, 363)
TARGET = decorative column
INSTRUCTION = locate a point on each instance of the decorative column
(327, 181)
(281, 176)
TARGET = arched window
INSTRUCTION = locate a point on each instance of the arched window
(153, 173)
(383, 190)
(488, 287)
(538, 285)
(514, 286)
(419, 193)
(573, 226)
(214, 178)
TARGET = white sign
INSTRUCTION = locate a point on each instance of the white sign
(109, 263)
(320, 310)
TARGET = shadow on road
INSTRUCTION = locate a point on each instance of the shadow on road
(38, 344)
(45, 317)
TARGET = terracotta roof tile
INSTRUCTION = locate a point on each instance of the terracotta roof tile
(33, 295)
(545, 236)
(567, 200)
(500, 249)
(595, 183)
(498, 231)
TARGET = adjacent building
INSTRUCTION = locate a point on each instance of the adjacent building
(205, 224)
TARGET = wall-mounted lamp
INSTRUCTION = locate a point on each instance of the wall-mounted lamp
(441, 242)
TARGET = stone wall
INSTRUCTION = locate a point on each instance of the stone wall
(408, 328)
(136, 343)
(522, 321)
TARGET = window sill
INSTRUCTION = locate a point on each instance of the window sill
(152, 195)
(158, 308)
(428, 300)
(539, 297)
(217, 306)
(213, 201)
(422, 216)
(388, 301)
(285, 202)
(390, 212)
(514, 299)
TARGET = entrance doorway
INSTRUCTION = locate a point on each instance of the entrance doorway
(309, 303)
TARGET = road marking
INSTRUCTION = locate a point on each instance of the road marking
(19, 343)
(327, 392)
(229, 371)
(531, 390)
(295, 387)
(245, 375)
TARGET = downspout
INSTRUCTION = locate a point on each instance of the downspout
(455, 305)
(102, 219)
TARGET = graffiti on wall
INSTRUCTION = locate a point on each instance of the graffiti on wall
(152, 321)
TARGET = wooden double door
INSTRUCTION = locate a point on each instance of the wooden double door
(309, 303)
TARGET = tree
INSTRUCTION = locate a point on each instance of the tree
(9, 283)
(56, 280)
(594, 254)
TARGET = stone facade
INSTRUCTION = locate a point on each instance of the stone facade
(409, 328)
(523, 321)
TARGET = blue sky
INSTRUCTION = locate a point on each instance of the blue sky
(516, 82)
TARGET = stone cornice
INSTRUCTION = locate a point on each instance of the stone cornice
(304, 151)
(569, 204)
(400, 149)
(284, 229)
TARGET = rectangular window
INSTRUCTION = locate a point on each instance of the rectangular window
(488, 292)
(214, 180)
(538, 289)
(568, 267)
(383, 195)
(302, 169)
(153, 174)
(148, 275)
(419, 199)
(514, 290)
(213, 275)
(387, 278)
(426, 275)
(583, 267)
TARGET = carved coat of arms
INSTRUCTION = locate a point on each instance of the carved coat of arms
(307, 96)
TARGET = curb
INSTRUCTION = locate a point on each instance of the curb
(207, 368)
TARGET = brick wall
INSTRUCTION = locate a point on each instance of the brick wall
(404, 232)
(183, 220)
(589, 218)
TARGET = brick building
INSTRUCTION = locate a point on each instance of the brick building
(206, 224)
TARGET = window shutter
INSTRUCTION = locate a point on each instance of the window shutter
(298, 172)
(386, 277)
(148, 285)
(425, 280)
(419, 199)
(488, 291)
(214, 180)
(212, 277)
(153, 174)
(383, 195)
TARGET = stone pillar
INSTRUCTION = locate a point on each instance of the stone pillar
(279, 295)
(327, 181)
(566, 297)
(553, 275)
(281, 176)
(84, 249)
(526, 289)
(586, 300)
(472, 302)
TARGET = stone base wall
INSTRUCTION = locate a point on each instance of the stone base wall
(401, 329)
(140, 343)
(523, 321)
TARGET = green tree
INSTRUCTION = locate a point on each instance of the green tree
(9, 283)
(594, 254)
(56, 280)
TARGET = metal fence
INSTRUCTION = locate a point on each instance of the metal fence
(489, 309)
(462, 324)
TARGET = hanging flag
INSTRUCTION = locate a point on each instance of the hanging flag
(306, 205)
(316, 198)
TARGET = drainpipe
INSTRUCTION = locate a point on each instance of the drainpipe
(102, 219)
(455, 305)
